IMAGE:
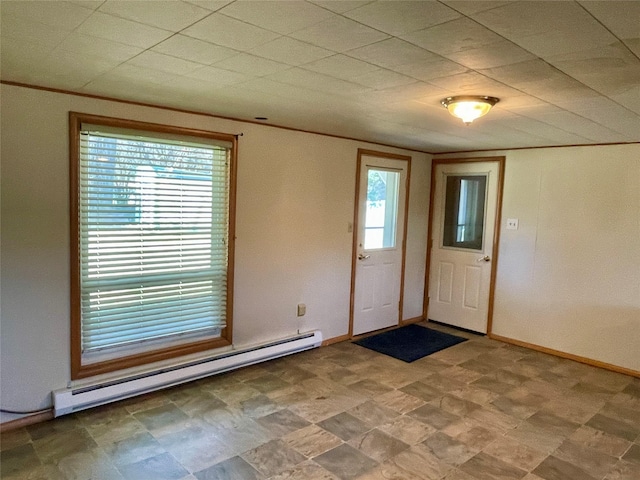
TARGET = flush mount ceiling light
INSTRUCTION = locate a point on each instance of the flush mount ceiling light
(469, 107)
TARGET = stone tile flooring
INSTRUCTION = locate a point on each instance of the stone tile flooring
(477, 411)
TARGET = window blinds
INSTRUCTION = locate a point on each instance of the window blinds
(154, 216)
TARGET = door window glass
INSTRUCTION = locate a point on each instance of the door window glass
(464, 211)
(382, 209)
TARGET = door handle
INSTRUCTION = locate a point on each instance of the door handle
(363, 256)
(486, 258)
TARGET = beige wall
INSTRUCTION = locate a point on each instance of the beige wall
(569, 277)
(295, 200)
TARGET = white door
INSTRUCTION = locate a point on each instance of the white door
(463, 224)
(380, 230)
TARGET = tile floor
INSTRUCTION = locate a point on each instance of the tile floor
(477, 411)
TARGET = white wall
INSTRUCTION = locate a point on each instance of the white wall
(295, 199)
(569, 277)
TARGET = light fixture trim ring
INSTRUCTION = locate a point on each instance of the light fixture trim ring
(469, 98)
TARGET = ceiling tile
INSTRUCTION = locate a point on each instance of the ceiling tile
(521, 73)
(212, 5)
(290, 51)
(526, 102)
(525, 18)
(316, 81)
(168, 15)
(578, 125)
(251, 65)
(20, 57)
(610, 70)
(62, 68)
(146, 90)
(551, 133)
(121, 30)
(341, 66)
(193, 49)
(558, 90)
(186, 87)
(218, 76)
(164, 63)
(630, 98)
(58, 14)
(411, 92)
(87, 45)
(20, 28)
(607, 112)
(339, 34)
(91, 4)
(634, 45)
(454, 36)
(281, 90)
(472, 83)
(278, 16)
(397, 18)
(621, 17)
(469, 7)
(391, 52)
(383, 79)
(61, 62)
(141, 77)
(229, 32)
(493, 55)
(440, 67)
(566, 41)
(342, 5)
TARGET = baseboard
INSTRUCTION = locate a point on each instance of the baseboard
(25, 421)
(569, 356)
(331, 341)
(409, 321)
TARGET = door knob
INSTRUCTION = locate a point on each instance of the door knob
(486, 258)
(363, 257)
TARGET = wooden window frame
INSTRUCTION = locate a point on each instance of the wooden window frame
(78, 370)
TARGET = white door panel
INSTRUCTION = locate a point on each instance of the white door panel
(463, 223)
(379, 243)
(445, 282)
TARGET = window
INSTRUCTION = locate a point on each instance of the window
(152, 249)
(464, 211)
(382, 209)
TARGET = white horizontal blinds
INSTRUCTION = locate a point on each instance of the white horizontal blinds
(153, 238)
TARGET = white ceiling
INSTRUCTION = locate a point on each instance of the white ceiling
(566, 72)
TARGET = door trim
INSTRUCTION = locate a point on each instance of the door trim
(496, 232)
(354, 242)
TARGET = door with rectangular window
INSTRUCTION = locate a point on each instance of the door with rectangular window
(463, 224)
(379, 242)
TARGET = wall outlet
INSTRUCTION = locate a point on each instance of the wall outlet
(302, 309)
(512, 223)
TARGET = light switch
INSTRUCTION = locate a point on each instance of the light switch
(512, 223)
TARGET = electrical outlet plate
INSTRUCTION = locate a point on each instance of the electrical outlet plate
(512, 223)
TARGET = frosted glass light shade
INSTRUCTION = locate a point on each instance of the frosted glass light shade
(468, 108)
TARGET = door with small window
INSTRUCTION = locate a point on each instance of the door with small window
(463, 226)
(379, 242)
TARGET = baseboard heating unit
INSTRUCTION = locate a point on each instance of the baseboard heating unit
(71, 400)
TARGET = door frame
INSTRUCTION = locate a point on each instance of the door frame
(354, 245)
(501, 160)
